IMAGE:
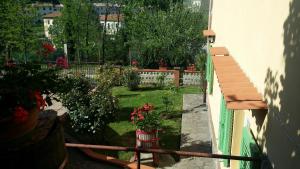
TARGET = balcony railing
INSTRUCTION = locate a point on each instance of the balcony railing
(138, 151)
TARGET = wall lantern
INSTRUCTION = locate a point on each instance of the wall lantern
(210, 34)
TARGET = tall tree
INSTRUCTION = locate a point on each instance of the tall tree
(16, 28)
(169, 35)
(80, 28)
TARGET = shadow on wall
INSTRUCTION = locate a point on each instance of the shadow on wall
(282, 131)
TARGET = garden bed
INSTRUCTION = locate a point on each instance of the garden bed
(121, 132)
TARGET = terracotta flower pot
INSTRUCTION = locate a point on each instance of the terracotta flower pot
(10, 129)
(163, 68)
(146, 139)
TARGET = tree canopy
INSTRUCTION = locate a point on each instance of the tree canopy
(17, 28)
(173, 36)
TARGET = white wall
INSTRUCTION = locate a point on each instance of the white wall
(264, 38)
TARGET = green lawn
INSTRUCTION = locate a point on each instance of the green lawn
(122, 131)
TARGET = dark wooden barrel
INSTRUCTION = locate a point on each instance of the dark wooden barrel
(42, 148)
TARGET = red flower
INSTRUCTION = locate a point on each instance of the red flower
(134, 62)
(141, 117)
(147, 107)
(62, 62)
(20, 115)
(49, 47)
(40, 102)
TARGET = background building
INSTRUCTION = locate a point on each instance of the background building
(113, 23)
(46, 8)
(48, 21)
(100, 8)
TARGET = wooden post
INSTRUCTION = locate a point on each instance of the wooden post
(177, 76)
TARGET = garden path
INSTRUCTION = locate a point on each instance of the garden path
(195, 134)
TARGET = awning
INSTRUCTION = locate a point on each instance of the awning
(214, 51)
(239, 93)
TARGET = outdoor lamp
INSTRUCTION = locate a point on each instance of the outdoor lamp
(210, 34)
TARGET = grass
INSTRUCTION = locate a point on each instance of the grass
(122, 132)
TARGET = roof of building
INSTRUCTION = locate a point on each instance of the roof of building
(239, 93)
(219, 51)
(102, 4)
(52, 15)
(112, 17)
(38, 4)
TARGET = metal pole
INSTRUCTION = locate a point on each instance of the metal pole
(138, 158)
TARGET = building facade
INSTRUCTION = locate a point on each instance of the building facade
(102, 8)
(253, 79)
(46, 8)
(48, 21)
(113, 23)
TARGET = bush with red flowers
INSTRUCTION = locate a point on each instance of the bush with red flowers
(48, 48)
(145, 118)
(25, 88)
(62, 62)
(134, 63)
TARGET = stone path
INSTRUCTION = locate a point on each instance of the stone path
(195, 134)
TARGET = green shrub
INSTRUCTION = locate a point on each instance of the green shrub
(90, 107)
(132, 79)
(110, 76)
(161, 80)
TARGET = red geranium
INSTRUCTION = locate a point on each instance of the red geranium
(20, 115)
(144, 118)
(134, 62)
(40, 102)
(62, 62)
(147, 107)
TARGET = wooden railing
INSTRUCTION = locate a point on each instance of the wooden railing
(138, 151)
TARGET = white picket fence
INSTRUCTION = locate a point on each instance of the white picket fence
(191, 78)
(149, 77)
(188, 78)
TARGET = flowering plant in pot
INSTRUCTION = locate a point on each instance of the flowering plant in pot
(147, 122)
(162, 65)
(25, 90)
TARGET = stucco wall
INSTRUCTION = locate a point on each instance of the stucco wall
(215, 102)
(47, 24)
(264, 38)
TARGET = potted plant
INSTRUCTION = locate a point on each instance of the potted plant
(134, 63)
(25, 90)
(162, 65)
(147, 122)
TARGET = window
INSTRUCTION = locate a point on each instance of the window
(225, 130)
